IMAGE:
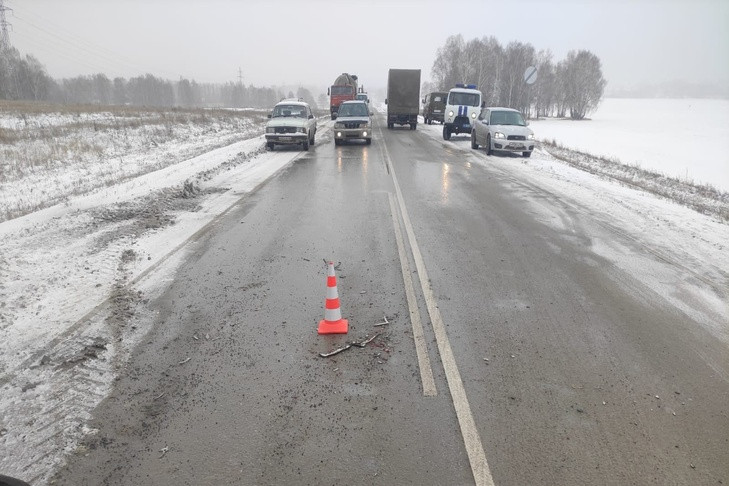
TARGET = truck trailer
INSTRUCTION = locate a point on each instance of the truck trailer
(403, 97)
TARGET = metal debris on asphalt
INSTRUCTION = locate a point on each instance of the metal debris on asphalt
(364, 343)
(184, 361)
(164, 451)
(361, 344)
(383, 323)
(336, 351)
(159, 396)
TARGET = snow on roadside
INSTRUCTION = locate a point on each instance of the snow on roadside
(72, 276)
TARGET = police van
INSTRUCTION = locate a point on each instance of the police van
(462, 107)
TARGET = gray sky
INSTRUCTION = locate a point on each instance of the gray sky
(310, 42)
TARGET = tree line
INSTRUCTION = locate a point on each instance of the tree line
(573, 86)
(25, 78)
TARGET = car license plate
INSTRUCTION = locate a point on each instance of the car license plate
(516, 146)
(284, 139)
(466, 125)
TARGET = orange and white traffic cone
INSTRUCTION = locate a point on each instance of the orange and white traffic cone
(333, 322)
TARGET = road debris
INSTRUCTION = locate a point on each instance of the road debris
(336, 351)
(164, 451)
(383, 323)
(364, 343)
(360, 344)
(159, 396)
(184, 361)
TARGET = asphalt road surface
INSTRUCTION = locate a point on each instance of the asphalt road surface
(513, 354)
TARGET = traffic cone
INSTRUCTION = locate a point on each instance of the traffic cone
(333, 322)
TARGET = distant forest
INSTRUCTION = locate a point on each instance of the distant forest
(25, 78)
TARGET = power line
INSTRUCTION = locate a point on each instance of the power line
(4, 36)
(62, 43)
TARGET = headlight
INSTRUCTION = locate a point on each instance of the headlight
(270, 130)
(530, 136)
(499, 135)
(339, 125)
(364, 133)
(473, 115)
(450, 113)
(301, 130)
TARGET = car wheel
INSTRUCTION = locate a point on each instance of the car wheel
(337, 141)
(269, 146)
(474, 145)
(311, 141)
(446, 133)
(390, 125)
(488, 145)
(527, 154)
(413, 125)
(305, 145)
(368, 141)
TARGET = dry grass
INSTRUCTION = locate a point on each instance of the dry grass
(703, 198)
(51, 152)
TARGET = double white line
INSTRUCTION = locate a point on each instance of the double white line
(471, 439)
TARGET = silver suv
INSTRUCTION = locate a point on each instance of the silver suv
(502, 129)
(353, 122)
(291, 123)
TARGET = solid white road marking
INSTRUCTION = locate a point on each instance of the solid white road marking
(471, 439)
(421, 349)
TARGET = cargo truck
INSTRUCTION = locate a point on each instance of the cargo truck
(403, 97)
(343, 89)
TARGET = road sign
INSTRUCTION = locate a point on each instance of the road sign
(530, 75)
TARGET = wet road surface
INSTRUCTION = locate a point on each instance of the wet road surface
(548, 365)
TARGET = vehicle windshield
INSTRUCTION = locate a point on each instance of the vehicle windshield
(507, 118)
(342, 90)
(464, 99)
(289, 110)
(353, 109)
(362, 97)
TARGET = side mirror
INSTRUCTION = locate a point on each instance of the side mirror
(483, 104)
(269, 115)
(311, 116)
(385, 100)
(327, 91)
(334, 116)
(371, 113)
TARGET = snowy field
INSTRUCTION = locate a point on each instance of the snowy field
(683, 138)
(76, 272)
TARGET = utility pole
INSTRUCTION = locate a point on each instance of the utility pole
(4, 36)
(240, 73)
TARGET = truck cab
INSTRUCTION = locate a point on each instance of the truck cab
(463, 105)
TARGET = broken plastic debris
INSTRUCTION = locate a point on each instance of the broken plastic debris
(184, 361)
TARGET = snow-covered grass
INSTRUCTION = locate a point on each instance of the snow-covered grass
(686, 139)
(51, 153)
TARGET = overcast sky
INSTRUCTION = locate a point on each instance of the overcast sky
(310, 42)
